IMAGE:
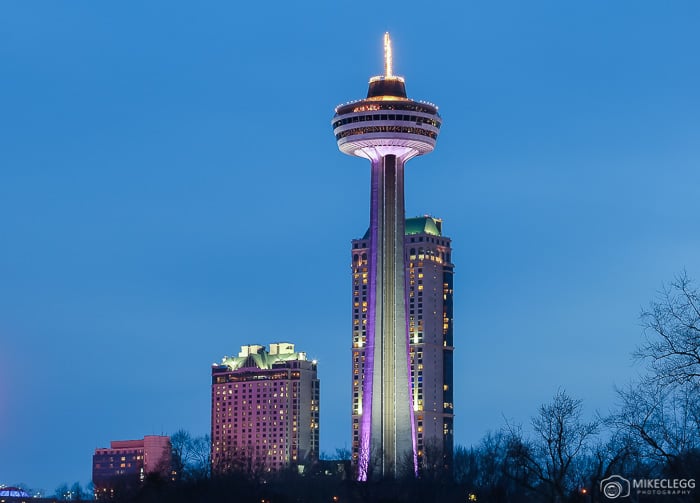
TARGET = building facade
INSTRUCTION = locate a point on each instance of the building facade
(126, 463)
(429, 290)
(265, 409)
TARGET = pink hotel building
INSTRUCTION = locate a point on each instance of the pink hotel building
(265, 409)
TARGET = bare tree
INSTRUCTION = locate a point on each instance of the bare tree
(672, 330)
(664, 418)
(62, 492)
(200, 465)
(73, 493)
(433, 462)
(620, 453)
(343, 454)
(190, 455)
(240, 461)
(179, 443)
(549, 464)
(662, 411)
(77, 492)
(484, 470)
(465, 465)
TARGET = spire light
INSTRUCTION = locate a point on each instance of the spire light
(388, 71)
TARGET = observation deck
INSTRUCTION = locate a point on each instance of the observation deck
(386, 118)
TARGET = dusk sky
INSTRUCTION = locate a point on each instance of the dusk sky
(171, 189)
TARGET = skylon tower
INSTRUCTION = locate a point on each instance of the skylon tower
(388, 129)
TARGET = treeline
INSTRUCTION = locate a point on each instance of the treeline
(560, 456)
(654, 433)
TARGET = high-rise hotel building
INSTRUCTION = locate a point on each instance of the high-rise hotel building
(265, 409)
(428, 273)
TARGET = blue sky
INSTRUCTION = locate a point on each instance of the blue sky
(170, 189)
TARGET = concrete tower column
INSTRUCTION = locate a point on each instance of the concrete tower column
(392, 437)
(388, 129)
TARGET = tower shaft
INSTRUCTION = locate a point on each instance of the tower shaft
(387, 434)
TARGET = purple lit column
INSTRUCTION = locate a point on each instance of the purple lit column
(386, 431)
(388, 129)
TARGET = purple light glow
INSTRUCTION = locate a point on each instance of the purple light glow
(410, 382)
(366, 422)
(366, 436)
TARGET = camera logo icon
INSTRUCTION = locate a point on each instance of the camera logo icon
(615, 487)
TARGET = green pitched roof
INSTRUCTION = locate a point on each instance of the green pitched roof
(423, 225)
(261, 359)
(420, 225)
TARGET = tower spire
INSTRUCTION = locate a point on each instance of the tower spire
(388, 71)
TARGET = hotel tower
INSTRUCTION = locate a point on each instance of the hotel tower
(264, 409)
(429, 289)
(388, 129)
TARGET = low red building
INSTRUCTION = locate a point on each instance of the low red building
(126, 463)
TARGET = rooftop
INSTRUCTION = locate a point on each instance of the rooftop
(424, 225)
(13, 492)
(255, 355)
(420, 225)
